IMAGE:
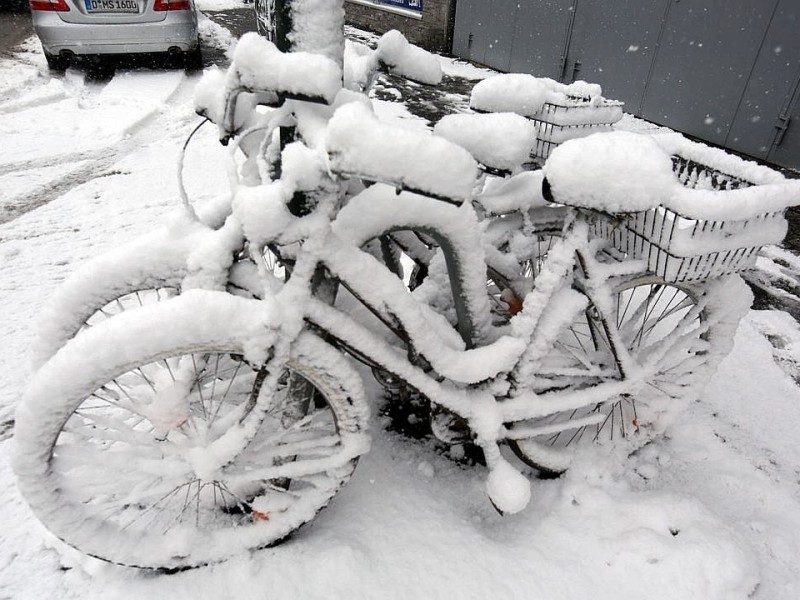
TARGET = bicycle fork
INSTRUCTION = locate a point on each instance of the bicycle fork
(592, 284)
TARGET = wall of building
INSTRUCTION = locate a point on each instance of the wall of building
(430, 28)
(726, 71)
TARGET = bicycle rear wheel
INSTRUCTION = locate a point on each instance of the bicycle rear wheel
(119, 451)
(507, 289)
(675, 333)
(519, 257)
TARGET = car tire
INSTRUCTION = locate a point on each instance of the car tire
(193, 60)
(56, 62)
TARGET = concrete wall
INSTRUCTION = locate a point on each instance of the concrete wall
(432, 31)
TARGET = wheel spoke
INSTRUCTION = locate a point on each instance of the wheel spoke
(225, 394)
(663, 326)
(135, 455)
(199, 387)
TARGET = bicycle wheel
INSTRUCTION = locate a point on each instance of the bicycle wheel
(507, 286)
(140, 273)
(126, 455)
(124, 280)
(675, 334)
(520, 252)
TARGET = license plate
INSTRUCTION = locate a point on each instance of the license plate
(112, 6)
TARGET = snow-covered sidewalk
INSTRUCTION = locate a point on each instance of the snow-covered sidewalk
(712, 511)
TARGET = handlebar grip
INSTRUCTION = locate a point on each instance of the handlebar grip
(547, 191)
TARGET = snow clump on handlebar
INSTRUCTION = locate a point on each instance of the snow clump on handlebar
(613, 172)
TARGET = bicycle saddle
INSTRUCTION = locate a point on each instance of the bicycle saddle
(499, 141)
(260, 66)
(359, 145)
(613, 172)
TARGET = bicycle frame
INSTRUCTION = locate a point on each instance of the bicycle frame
(483, 382)
(484, 400)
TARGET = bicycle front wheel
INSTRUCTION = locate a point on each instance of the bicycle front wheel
(145, 272)
(675, 334)
(118, 452)
(142, 272)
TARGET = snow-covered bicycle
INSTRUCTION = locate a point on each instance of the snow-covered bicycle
(208, 423)
(154, 267)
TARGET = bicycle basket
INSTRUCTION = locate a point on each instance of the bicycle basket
(571, 117)
(691, 247)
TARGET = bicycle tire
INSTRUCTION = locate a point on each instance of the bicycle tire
(699, 321)
(147, 264)
(105, 474)
(120, 281)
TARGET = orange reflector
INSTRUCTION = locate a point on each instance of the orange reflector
(514, 305)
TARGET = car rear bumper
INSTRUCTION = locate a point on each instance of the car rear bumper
(173, 32)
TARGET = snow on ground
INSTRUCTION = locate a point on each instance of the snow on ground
(28, 69)
(712, 511)
(105, 113)
(213, 34)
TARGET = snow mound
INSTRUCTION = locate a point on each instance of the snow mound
(515, 92)
(359, 144)
(499, 140)
(521, 192)
(526, 94)
(616, 172)
(670, 541)
(361, 63)
(408, 60)
(259, 65)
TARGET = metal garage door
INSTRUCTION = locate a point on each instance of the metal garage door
(764, 125)
(701, 69)
(523, 36)
(615, 47)
(726, 71)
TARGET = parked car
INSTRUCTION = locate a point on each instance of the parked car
(71, 28)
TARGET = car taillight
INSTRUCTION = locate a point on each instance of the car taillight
(162, 5)
(49, 5)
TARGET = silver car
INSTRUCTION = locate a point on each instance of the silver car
(69, 28)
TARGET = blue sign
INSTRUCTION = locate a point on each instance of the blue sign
(407, 4)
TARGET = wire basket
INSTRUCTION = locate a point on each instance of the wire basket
(680, 248)
(573, 117)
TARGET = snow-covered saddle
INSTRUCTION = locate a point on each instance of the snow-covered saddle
(359, 145)
(614, 172)
(500, 141)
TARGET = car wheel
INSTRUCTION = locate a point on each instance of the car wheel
(56, 62)
(193, 60)
(100, 68)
